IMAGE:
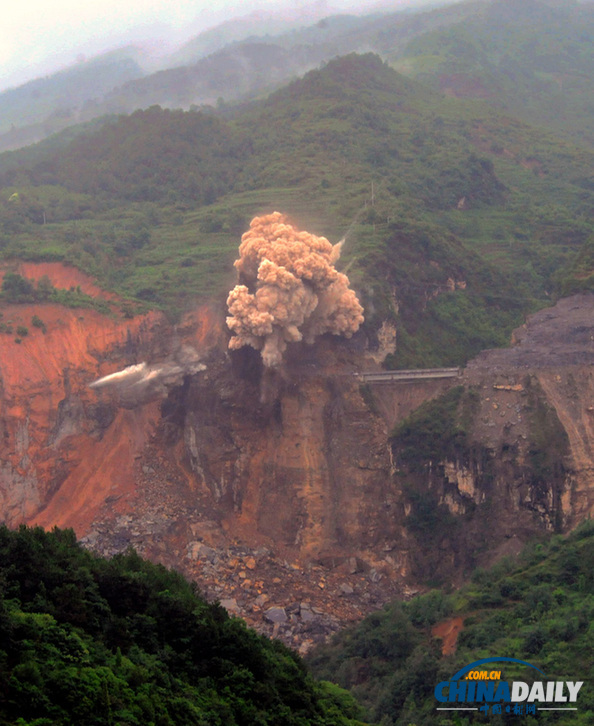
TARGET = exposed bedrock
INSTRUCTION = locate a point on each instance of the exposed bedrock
(283, 492)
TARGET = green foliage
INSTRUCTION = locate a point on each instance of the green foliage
(578, 274)
(369, 398)
(18, 289)
(536, 608)
(42, 101)
(93, 641)
(37, 322)
(438, 435)
(195, 162)
(549, 443)
(459, 218)
(437, 430)
(534, 58)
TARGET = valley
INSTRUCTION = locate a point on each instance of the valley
(306, 316)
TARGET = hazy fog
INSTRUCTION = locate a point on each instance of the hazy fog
(39, 37)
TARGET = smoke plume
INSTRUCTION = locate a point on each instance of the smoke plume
(289, 290)
(137, 384)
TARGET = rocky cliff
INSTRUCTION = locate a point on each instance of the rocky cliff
(285, 494)
(520, 459)
(54, 431)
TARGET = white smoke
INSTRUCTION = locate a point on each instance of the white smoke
(140, 382)
(128, 376)
(292, 290)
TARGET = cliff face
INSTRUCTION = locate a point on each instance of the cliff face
(53, 429)
(522, 463)
(283, 493)
(273, 490)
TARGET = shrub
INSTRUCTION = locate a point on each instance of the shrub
(37, 322)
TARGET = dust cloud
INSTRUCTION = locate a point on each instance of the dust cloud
(289, 290)
(141, 382)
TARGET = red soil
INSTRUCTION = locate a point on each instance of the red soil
(448, 631)
(61, 276)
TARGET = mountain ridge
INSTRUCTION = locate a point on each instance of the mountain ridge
(460, 192)
(200, 81)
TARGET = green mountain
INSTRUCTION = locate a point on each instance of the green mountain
(459, 218)
(532, 58)
(537, 608)
(44, 106)
(84, 640)
(258, 25)
(230, 64)
(239, 71)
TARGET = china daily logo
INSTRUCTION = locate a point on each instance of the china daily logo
(474, 689)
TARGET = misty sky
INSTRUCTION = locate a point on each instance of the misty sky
(38, 37)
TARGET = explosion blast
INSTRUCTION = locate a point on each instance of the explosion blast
(289, 290)
(138, 383)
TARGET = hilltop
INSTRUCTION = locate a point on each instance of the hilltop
(532, 59)
(459, 219)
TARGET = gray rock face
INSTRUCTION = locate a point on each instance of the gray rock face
(307, 616)
(230, 604)
(276, 615)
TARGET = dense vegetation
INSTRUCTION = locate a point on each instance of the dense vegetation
(437, 430)
(85, 640)
(18, 289)
(460, 221)
(538, 608)
(531, 57)
(47, 104)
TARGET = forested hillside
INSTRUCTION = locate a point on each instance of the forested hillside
(459, 220)
(35, 110)
(121, 641)
(537, 608)
(532, 58)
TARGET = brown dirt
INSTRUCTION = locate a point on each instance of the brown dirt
(45, 399)
(60, 275)
(281, 486)
(448, 631)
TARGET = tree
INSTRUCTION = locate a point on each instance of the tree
(16, 288)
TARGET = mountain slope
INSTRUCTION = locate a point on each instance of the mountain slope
(533, 59)
(529, 58)
(41, 107)
(536, 608)
(459, 218)
(239, 71)
(92, 641)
